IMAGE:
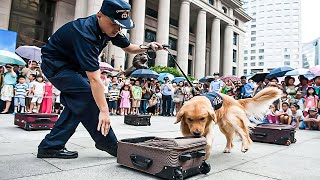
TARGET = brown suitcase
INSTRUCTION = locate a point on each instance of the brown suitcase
(274, 133)
(177, 158)
(37, 121)
(137, 120)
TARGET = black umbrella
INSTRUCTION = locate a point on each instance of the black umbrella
(259, 77)
(144, 73)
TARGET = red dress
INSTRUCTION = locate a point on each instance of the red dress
(47, 100)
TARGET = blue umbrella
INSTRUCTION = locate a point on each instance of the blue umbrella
(179, 79)
(7, 57)
(144, 73)
(206, 78)
(279, 72)
(299, 71)
(164, 75)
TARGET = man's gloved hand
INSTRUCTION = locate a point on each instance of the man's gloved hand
(140, 61)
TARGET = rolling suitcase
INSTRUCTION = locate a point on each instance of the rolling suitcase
(36, 121)
(274, 133)
(137, 120)
(177, 158)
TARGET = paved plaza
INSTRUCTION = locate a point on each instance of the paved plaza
(263, 161)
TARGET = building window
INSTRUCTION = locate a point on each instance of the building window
(235, 39)
(189, 67)
(252, 57)
(245, 58)
(246, 52)
(254, 13)
(190, 49)
(253, 20)
(245, 71)
(253, 26)
(253, 38)
(253, 45)
(224, 9)
(245, 64)
(234, 71)
(253, 51)
(286, 50)
(287, 56)
(253, 64)
(152, 13)
(150, 36)
(211, 2)
(287, 63)
(236, 22)
(261, 57)
(171, 62)
(261, 63)
(261, 50)
(253, 32)
(234, 56)
(173, 43)
(174, 22)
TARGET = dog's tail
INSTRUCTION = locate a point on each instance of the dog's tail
(260, 103)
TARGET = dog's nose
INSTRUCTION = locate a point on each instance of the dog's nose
(196, 133)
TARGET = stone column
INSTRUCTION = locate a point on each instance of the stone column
(81, 9)
(200, 45)
(137, 33)
(183, 35)
(93, 7)
(5, 6)
(240, 54)
(227, 53)
(163, 31)
(215, 46)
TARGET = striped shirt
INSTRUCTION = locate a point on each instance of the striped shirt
(114, 94)
(21, 90)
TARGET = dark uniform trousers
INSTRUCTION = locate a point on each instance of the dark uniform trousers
(80, 106)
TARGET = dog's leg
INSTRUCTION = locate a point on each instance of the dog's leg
(228, 131)
(209, 138)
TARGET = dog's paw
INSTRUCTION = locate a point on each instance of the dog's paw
(226, 150)
(244, 149)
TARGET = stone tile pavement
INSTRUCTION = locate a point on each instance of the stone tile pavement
(263, 161)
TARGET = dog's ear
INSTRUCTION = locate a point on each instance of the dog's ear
(179, 116)
(212, 115)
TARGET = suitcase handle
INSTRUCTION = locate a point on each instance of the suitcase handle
(260, 135)
(43, 119)
(140, 162)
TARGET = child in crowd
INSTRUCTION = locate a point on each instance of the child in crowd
(297, 115)
(283, 99)
(136, 95)
(311, 99)
(125, 100)
(47, 100)
(113, 99)
(38, 93)
(300, 100)
(272, 114)
(159, 97)
(316, 85)
(20, 91)
(56, 94)
(312, 119)
(285, 114)
(32, 80)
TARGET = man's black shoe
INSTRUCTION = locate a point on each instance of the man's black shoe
(111, 149)
(53, 153)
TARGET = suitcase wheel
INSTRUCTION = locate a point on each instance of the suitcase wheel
(205, 168)
(178, 174)
(294, 140)
(288, 142)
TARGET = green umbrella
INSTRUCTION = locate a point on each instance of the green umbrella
(7, 57)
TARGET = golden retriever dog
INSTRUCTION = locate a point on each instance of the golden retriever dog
(198, 117)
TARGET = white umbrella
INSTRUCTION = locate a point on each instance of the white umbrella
(7, 57)
(299, 71)
(30, 52)
(105, 66)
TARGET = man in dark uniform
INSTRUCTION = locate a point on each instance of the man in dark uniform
(72, 53)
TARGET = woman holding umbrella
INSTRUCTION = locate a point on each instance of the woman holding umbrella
(10, 79)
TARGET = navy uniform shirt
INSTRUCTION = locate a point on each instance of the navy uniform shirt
(77, 45)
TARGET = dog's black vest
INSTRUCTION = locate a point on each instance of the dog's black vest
(215, 99)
